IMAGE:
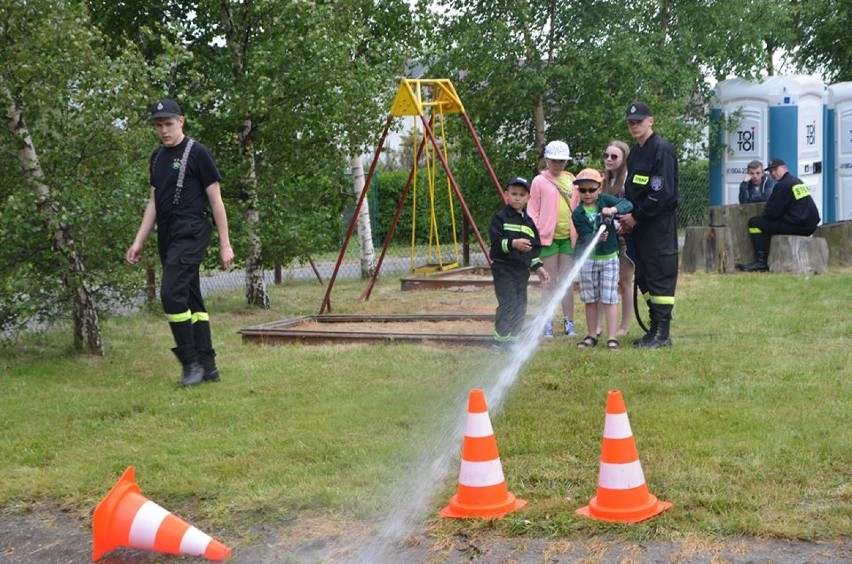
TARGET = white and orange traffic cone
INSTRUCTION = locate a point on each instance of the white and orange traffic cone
(622, 494)
(482, 488)
(127, 518)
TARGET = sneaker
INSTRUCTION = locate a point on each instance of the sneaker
(569, 328)
(548, 330)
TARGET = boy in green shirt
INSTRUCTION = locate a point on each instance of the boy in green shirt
(599, 275)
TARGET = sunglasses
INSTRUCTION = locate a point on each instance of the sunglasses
(613, 156)
(587, 190)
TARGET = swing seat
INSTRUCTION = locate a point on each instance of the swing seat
(435, 267)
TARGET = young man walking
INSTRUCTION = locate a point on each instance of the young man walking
(184, 186)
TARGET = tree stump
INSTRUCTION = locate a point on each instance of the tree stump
(838, 235)
(798, 255)
(735, 217)
(709, 249)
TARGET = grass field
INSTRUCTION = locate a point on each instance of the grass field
(744, 425)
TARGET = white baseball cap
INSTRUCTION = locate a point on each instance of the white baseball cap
(557, 150)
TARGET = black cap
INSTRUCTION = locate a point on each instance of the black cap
(775, 163)
(638, 111)
(165, 108)
(518, 181)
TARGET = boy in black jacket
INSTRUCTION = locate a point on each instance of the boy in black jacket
(515, 248)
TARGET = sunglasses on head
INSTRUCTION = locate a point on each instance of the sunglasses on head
(586, 190)
(612, 156)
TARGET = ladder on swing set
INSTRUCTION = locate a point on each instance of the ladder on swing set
(424, 99)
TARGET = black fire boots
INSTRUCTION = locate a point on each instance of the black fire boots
(193, 372)
(208, 361)
(759, 265)
(657, 337)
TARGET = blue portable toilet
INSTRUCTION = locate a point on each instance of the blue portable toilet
(838, 172)
(739, 118)
(794, 107)
(796, 122)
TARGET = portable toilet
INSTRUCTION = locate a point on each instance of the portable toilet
(780, 116)
(797, 106)
(838, 173)
(739, 120)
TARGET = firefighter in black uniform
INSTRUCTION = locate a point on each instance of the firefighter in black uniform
(652, 188)
(790, 211)
(515, 249)
(184, 183)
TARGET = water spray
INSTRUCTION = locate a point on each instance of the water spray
(414, 493)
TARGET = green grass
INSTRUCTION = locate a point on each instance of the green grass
(744, 424)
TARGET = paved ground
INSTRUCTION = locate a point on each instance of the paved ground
(43, 535)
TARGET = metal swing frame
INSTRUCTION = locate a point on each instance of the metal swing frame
(410, 101)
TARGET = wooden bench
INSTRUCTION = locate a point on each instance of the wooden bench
(709, 249)
(735, 217)
(838, 235)
(798, 255)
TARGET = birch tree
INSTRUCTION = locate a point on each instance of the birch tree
(363, 228)
(69, 130)
(87, 331)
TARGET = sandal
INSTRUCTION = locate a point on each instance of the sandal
(588, 342)
(612, 344)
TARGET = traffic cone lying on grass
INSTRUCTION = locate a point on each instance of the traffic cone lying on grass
(127, 518)
(622, 493)
(482, 488)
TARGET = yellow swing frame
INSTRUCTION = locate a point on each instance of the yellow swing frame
(434, 247)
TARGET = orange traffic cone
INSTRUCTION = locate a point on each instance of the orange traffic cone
(127, 518)
(482, 488)
(622, 493)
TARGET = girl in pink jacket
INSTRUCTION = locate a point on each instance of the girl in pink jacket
(552, 200)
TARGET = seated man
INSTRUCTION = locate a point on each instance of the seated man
(756, 186)
(790, 211)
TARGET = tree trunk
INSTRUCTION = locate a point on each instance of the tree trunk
(363, 228)
(87, 332)
(538, 113)
(256, 292)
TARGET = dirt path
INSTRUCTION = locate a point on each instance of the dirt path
(43, 536)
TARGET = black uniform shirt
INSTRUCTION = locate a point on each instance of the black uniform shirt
(509, 224)
(651, 184)
(201, 172)
(791, 201)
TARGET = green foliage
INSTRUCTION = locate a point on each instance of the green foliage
(81, 109)
(694, 186)
(822, 38)
(314, 81)
(301, 218)
(390, 186)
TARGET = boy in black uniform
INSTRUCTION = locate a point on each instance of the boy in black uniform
(652, 188)
(515, 249)
(184, 182)
(790, 211)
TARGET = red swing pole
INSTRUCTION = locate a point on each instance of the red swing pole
(455, 186)
(326, 301)
(365, 295)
